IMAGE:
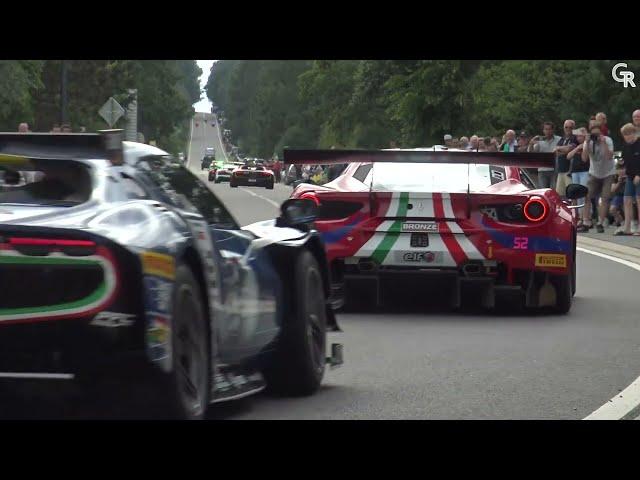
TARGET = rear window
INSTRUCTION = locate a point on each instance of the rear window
(44, 182)
(430, 177)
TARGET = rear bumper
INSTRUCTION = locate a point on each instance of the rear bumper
(258, 183)
(447, 285)
(72, 346)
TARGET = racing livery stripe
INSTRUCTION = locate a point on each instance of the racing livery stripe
(467, 245)
(447, 237)
(392, 235)
(448, 206)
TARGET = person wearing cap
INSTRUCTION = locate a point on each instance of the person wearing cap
(563, 165)
(523, 141)
(448, 140)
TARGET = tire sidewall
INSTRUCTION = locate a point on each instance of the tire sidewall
(186, 280)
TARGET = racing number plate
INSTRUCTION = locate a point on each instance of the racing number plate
(419, 240)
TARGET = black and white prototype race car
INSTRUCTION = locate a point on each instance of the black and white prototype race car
(116, 260)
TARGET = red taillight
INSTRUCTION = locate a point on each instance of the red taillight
(311, 196)
(535, 210)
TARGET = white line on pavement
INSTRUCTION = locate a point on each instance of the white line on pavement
(275, 204)
(629, 399)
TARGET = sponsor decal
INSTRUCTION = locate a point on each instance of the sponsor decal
(159, 264)
(420, 227)
(113, 320)
(426, 257)
(158, 331)
(158, 298)
(551, 260)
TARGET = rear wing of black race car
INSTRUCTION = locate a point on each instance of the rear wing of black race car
(107, 145)
(329, 157)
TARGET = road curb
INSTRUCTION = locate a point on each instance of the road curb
(609, 248)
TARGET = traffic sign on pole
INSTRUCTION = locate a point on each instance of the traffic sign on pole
(111, 111)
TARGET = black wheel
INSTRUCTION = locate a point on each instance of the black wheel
(184, 393)
(270, 186)
(564, 295)
(233, 185)
(299, 362)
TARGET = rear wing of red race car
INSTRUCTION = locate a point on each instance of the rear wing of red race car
(329, 157)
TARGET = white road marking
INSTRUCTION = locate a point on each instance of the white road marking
(629, 399)
(275, 204)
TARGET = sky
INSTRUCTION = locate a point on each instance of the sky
(204, 105)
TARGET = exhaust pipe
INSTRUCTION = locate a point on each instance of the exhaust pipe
(366, 265)
(471, 269)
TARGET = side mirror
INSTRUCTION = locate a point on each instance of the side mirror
(575, 191)
(299, 211)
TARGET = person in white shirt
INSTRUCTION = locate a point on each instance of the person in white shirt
(598, 151)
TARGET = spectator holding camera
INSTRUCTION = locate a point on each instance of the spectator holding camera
(601, 118)
(545, 143)
(631, 161)
(598, 151)
(579, 170)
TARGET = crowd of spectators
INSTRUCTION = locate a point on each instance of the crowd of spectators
(584, 155)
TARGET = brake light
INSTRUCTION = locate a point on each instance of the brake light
(311, 196)
(535, 210)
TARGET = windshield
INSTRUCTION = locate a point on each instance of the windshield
(43, 182)
(430, 177)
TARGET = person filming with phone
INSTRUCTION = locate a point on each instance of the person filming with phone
(598, 151)
(545, 143)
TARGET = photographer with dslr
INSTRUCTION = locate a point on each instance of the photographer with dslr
(598, 151)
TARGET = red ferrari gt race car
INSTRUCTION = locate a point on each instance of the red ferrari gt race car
(473, 221)
(252, 177)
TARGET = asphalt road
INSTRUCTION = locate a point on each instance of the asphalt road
(403, 363)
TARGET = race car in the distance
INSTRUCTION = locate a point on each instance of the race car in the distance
(470, 222)
(119, 262)
(248, 176)
(221, 172)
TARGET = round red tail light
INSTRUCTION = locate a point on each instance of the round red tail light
(535, 210)
(311, 196)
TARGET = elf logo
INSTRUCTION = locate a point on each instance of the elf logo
(426, 257)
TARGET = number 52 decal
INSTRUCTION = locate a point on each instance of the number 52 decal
(521, 243)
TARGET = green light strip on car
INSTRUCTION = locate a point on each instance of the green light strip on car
(23, 260)
(393, 233)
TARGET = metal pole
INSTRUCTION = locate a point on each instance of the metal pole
(132, 116)
(63, 93)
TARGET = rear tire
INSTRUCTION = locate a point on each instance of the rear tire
(270, 186)
(233, 185)
(564, 296)
(184, 393)
(299, 361)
